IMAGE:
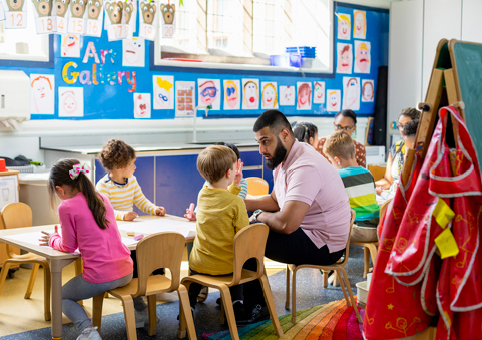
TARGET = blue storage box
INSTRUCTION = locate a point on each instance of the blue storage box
(280, 60)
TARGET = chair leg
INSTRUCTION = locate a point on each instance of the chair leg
(288, 273)
(3, 274)
(325, 278)
(351, 295)
(366, 256)
(129, 317)
(268, 296)
(342, 284)
(373, 252)
(293, 295)
(335, 281)
(228, 308)
(31, 282)
(185, 316)
(151, 302)
(47, 288)
(97, 303)
(78, 269)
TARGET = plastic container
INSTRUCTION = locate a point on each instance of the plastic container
(3, 168)
(282, 60)
(295, 59)
(307, 62)
(362, 292)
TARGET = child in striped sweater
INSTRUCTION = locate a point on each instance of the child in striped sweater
(359, 185)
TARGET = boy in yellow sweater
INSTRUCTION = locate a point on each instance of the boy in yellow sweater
(220, 215)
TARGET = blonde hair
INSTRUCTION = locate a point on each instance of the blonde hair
(275, 93)
(214, 161)
(344, 17)
(340, 144)
(229, 82)
(164, 84)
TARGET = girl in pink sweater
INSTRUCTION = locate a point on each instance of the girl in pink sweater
(88, 223)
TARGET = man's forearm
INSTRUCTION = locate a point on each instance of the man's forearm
(265, 203)
(274, 221)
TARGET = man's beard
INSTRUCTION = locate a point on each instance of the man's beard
(278, 157)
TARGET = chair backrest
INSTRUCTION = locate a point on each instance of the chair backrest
(248, 243)
(384, 207)
(377, 171)
(347, 251)
(16, 215)
(161, 250)
(257, 186)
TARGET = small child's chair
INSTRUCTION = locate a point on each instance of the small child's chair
(19, 215)
(248, 243)
(161, 250)
(257, 186)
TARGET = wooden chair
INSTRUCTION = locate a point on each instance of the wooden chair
(161, 250)
(257, 186)
(249, 243)
(19, 215)
(337, 267)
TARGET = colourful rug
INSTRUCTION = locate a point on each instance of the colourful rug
(326, 322)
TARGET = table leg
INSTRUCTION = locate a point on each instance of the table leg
(56, 267)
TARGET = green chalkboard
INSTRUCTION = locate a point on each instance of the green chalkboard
(467, 62)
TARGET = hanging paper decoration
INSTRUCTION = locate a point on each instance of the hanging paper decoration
(130, 16)
(62, 12)
(15, 13)
(2, 12)
(168, 20)
(45, 20)
(78, 17)
(115, 20)
(95, 17)
(148, 20)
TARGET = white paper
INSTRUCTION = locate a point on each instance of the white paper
(319, 92)
(186, 229)
(70, 46)
(163, 89)
(344, 58)
(185, 98)
(142, 105)
(130, 17)
(250, 94)
(8, 190)
(115, 20)
(45, 18)
(368, 90)
(269, 95)
(2, 12)
(168, 13)
(95, 17)
(304, 95)
(333, 101)
(71, 101)
(231, 94)
(351, 93)
(42, 96)
(209, 92)
(362, 56)
(133, 52)
(287, 95)
(62, 24)
(359, 24)
(78, 17)
(344, 26)
(148, 19)
(15, 19)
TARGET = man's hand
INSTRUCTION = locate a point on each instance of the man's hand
(239, 173)
(130, 216)
(287, 220)
(160, 211)
(44, 239)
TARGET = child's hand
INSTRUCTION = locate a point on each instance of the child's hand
(130, 216)
(44, 240)
(379, 190)
(160, 211)
(239, 173)
(193, 217)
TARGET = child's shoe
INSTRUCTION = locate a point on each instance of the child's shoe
(89, 334)
(142, 318)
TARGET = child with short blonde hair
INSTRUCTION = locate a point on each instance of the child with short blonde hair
(359, 185)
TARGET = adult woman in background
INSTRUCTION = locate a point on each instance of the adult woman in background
(396, 155)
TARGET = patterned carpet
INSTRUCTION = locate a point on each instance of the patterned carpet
(331, 321)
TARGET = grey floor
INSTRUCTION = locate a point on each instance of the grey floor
(310, 293)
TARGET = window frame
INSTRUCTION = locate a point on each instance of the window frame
(157, 64)
(19, 62)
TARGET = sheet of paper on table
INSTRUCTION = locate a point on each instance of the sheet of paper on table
(186, 229)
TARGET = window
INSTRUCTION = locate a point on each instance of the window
(246, 32)
(23, 43)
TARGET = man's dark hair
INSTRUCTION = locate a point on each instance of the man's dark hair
(276, 121)
(410, 128)
(347, 113)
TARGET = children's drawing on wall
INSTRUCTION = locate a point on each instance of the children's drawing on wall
(231, 94)
(185, 98)
(163, 92)
(269, 95)
(45, 20)
(250, 94)
(148, 19)
(142, 105)
(133, 52)
(16, 11)
(368, 90)
(345, 58)
(168, 13)
(62, 13)
(319, 92)
(70, 46)
(115, 20)
(344, 26)
(287, 95)
(95, 17)
(362, 57)
(333, 101)
(71, 101)
(209, 93)
(351, 93)
(359, 24)
(304, 95)
(130, 17)
(42, 96)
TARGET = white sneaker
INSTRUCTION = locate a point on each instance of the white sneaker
(89, 334)
(142, 318)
